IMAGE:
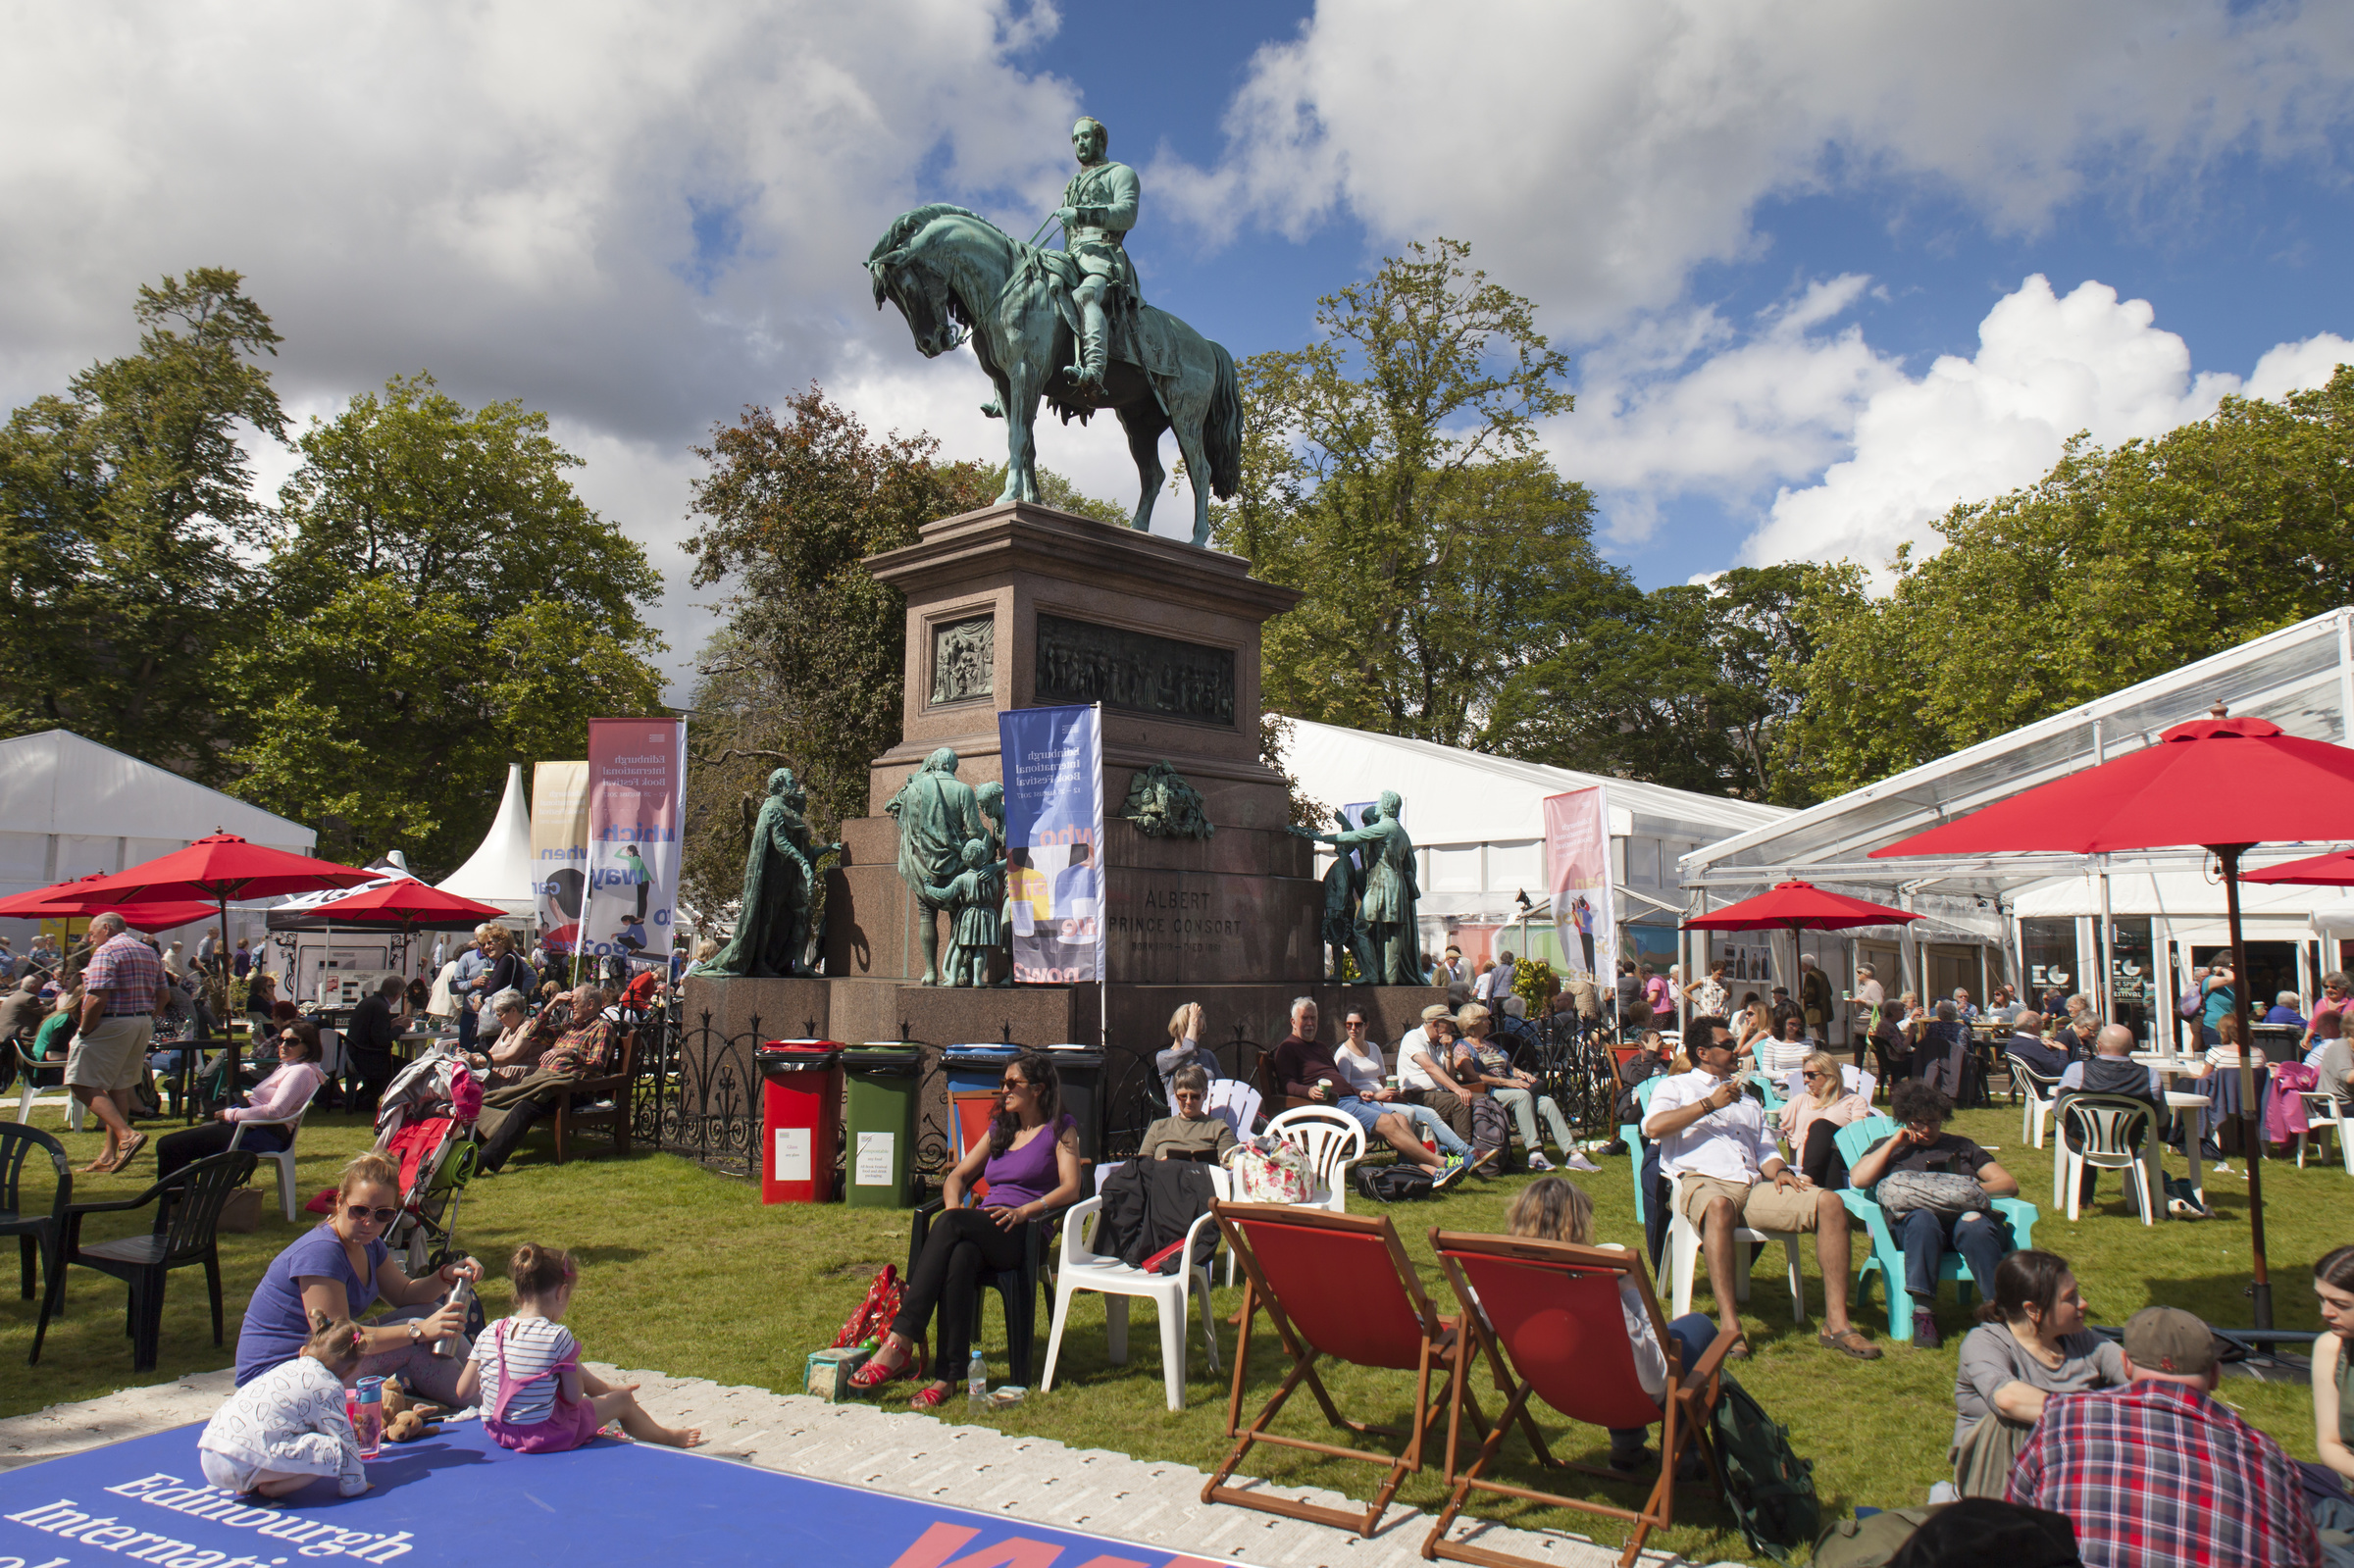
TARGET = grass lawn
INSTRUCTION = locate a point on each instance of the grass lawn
(687, 1271)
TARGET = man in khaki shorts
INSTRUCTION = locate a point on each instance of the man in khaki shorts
(124, 992)
(1715, 1138)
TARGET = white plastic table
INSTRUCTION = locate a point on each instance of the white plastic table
(2190, 1137)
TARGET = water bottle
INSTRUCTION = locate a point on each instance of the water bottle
(369, 1427)
(976, 1380)
(460, 1296)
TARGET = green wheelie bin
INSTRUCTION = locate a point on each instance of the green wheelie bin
(881, 1147)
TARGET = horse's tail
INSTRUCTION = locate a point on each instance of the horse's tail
(1222, 428)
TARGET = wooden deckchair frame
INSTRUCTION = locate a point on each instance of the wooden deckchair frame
(1440, 1356)
(1684, 1412)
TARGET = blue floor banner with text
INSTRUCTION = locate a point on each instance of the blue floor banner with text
(1054, 761)
(459, 1498)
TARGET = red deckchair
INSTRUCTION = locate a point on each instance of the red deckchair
(1338, 1286)
(1548, 1317)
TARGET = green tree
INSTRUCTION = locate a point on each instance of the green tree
(441, 603)
(806, 669)
(122, 503)
(1391, 473)
(2117, 565)
(1691, 686)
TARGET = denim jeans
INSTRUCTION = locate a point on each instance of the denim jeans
(1524, 1105)
(1692, 1335)
(1431, 1121)
(1926, 1237)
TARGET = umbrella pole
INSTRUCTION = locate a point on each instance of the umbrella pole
(2251, 1131)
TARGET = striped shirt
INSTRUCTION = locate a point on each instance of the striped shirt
(127, 970)
(533, 1346)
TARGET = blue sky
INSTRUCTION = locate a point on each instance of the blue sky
(1823, 270)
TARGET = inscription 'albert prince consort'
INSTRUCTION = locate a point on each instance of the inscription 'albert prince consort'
(1079, 661)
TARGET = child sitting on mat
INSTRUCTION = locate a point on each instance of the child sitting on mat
(525, 1370)
(286, 1428)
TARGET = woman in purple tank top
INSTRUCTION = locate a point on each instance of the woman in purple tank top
(1031, 1164)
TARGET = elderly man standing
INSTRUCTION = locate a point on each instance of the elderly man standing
(2157, 1473)
(1715, 1138)
(124, 989)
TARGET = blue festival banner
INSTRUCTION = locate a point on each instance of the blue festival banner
(1053, 762)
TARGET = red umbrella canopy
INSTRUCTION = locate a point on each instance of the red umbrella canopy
(2319, 871)
(1797, 906)
(62, 902)
(223, 866)
(404, 903)
(2213, 782)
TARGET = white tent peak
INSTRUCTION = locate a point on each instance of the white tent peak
(499, 872)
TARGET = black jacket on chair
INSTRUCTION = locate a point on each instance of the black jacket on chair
(1149, 1205)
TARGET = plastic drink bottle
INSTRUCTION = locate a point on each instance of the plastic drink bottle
(368, 1426)
(976, 1380)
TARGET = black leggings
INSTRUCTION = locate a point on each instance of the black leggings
(182, 1148)
(1819, 1160)
(947, 1276)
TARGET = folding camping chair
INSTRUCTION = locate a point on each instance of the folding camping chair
(1338, 1285)
(1548, 1316)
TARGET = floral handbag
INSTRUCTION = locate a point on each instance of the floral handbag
(1268, 1170)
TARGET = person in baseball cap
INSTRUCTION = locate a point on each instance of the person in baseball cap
(2157, 1473)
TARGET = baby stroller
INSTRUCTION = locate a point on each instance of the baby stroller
(426, 1121)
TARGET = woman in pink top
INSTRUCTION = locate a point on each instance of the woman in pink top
(283, 1093)
(1812, 1118)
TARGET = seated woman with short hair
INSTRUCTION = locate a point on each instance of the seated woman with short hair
(283, 1093)
(522, 1040)
(1193, 1134)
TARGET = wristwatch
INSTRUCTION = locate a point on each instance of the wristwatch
(416, 1334)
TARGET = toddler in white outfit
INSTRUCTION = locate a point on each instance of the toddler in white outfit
(287, 1427)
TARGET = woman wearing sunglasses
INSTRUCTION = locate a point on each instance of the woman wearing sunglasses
(1031, 1163)
(283, 1093)
(343, 1269)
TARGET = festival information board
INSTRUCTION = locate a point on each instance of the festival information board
(1577, 867)
(1054, 761)
(637, 805)
(559, 850)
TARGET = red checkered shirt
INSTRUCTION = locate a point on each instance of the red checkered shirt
(2156, 1474)
(127, 970)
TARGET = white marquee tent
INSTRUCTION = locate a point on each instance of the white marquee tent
(499, 870)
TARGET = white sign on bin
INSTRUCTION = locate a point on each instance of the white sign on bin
(793, 1154)
(874, 1159)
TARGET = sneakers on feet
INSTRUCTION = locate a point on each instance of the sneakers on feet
(1450, 1173)
(1924, 1331)
(1537, 1160)
(1577, 1161)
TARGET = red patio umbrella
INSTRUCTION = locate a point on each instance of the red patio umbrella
(1796, 906)
(220, 866)
(404, 905)
(2317, 871)
(2224, 784)
(59, 902)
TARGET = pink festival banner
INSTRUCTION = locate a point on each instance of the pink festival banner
(636, 800)
(1577, 867)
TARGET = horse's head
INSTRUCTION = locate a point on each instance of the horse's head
(923, 297)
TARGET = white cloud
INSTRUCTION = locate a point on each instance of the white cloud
(1595, 152)
(1971, 429)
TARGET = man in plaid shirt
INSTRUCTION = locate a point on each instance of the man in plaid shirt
(2157, 1474)
(124, 991)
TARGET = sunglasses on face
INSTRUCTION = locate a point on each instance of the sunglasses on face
(1012, 1083)
(361, 1211)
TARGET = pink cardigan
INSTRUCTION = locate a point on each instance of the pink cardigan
(1802, 1113)
(280, 1095)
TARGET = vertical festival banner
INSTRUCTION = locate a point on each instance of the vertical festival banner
(1053, 762)
(1577, 866)
(637, 803)
(559, 850)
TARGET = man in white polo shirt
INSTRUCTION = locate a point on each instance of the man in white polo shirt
(1422, 1074)
(1714, 1137)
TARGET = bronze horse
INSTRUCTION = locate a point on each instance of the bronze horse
(953, 275)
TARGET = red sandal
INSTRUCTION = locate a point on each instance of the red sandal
(873, 1375)
(930, 1398)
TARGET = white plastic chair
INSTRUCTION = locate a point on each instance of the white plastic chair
(1333, 1141)
(2035, 1096)
(2322, 1110)
(1683, 1257)
(1234, 1102)
(1082, 1269)
(285, 1158)
(27, 1089)
(2100, 1121)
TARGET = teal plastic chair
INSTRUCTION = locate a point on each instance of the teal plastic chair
(1633, 1137)
(1889, 1254)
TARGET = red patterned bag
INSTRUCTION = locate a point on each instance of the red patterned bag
(873, 1315)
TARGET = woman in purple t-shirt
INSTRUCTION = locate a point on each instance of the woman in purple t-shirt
(1031, 1163)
